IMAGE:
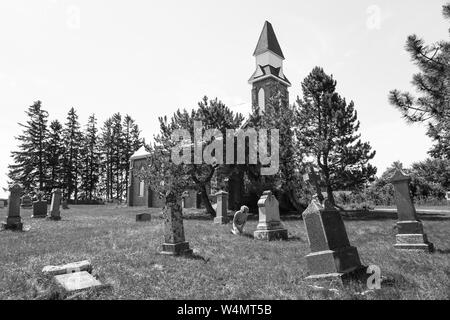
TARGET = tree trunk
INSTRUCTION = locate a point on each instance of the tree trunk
(209, 209)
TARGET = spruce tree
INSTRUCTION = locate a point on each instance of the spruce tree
(328, 131)
(90, 156)
(106, 150)
(132, 143)
(29, 168)
(72, 137)
(55, 156)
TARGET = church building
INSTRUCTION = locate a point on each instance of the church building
(267, 80)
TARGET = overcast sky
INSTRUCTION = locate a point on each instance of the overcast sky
(148, 58)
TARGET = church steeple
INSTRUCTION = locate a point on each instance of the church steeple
(268, 41)
(268, 78)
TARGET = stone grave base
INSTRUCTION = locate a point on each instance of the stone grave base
(53, 218)
(272, 234)
(413, 242)
(26, 207)
(221, 220)
(358, 274)
(143, 217)
(332, 263)
(12, 226)
(176, 249)
(34, 216)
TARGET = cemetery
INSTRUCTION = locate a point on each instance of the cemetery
(282, 203)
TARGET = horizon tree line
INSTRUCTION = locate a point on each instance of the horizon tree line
(86, 163)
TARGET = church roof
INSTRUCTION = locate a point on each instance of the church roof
(142, 153)
(268, 41)
(268, 71)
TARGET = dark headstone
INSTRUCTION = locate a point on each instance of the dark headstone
(26, 202)
(39, 209)
(13, 220)
(222, 208)
(410, 234)
(174, 240)
(331, 255)
(143, 217)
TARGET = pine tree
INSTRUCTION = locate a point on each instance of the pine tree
(72, 137)
(432, 82)
(132, 143)
(106, 150)
(29, 166)
(117, 155)
(328, 131)
(55, 156)
(91, 159)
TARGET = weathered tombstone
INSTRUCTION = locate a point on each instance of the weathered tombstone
(13, 220)
(141, 217)
(73, 267)
(26, 202)
(222, 208)
(174, 240)
(65, 205)
(72, 282)
(39, 209)
(269, 225)
(239, 220)
(55, 212)
(331, 255)
(410, 230)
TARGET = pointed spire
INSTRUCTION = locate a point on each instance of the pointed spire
(268, 41)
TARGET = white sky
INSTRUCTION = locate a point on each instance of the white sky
(148, 58)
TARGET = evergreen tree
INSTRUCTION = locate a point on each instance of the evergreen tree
(72, 137)
(90, 156)
(328, 131)
(214, 115)
(106, 149)
(117, 155)
(432, 82)
(55, 156)
(29, 168)
(132, 143)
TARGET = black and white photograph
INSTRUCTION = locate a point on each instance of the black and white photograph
(224, 156)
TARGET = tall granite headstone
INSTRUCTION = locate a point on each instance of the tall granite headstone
(13, 220)
(55, 210)
(269, 225)
(222, 208)
(174, 240)
(410, 230)
(331, 255)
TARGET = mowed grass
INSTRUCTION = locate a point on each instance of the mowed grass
(125, 254)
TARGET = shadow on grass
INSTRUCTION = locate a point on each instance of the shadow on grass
(373, 216)
(194, 256)
(443, 251)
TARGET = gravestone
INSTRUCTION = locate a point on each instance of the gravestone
(65, 205)
(13, 220)
(73, 267)
(239, 220)
(55, 212)
(174, 240)
(221, 208)
(331, 255)
(410, 233)
(72, 282)
(2, 204)
(26, 202)
(141, 217)
(269, 225)
(39, 209)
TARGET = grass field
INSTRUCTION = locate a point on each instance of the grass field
(125, 254)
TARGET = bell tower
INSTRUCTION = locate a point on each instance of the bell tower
(268, 80)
